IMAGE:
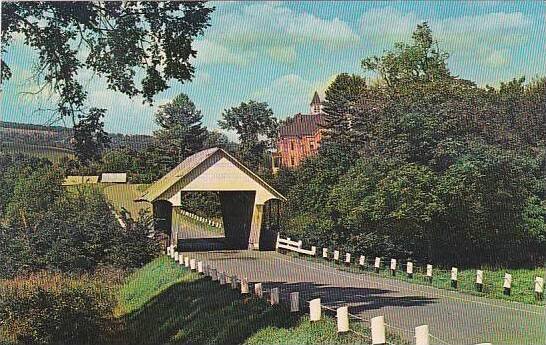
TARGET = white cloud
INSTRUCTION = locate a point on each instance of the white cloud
(290, 91)
(210, 52)
(482, 38)
(270, 28)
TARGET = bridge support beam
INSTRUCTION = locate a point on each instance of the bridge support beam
(256, 227)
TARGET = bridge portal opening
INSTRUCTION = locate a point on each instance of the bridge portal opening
(248, 204)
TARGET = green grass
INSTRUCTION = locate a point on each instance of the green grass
(54, 154)
(522, 280)
(123, 195)
(164, 303)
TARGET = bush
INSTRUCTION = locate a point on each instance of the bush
(49, 308)
(70, 230)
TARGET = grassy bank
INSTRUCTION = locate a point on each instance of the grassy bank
(522, 279)
(164, 303)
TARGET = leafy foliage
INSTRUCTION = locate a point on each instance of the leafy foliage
(422, 164)
(123, 42)
(50, 308)
(181, 133)
(48, 227)
(256, 127)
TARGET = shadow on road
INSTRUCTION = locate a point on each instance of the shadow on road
(358, 299)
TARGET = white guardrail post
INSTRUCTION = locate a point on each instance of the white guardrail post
(539, 288)
(378, 330)
(294, 302)
(315, 309)
(342, 314)
(258, 290)
(422, 335)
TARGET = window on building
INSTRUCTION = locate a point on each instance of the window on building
(311, 145)
(292, 145)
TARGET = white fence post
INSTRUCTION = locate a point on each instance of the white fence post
(377, 264)
(325, 253)
(222, 278)
(234, 282)
(539, 288)
(315, 309)
(378, 330)
(393, 267)
(342, 314)
(507, 284)
(274, 296)
(347, 259)
(186, 261)
(313, 251)
(214, 274)
(336, 255)
(429, 273)
(200, 267)
(422, 335)
(244, 286)
(192, 265)
(258, 290)
(175, 256)
(454, 272)
(294, 302)
(409, 269)
(479, 280)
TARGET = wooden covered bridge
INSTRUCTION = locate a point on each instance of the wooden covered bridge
(244, 197)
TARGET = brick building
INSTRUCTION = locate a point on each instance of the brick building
(299, 136)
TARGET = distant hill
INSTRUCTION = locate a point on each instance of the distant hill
(14, 133)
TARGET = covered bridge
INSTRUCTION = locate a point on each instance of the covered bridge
(243, 195)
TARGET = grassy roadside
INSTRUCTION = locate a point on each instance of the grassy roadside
(164, 303)
(522, 280)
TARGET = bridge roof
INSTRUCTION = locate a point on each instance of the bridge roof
(210, 166)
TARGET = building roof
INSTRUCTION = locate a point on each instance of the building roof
(75, 180)
(301, 125)
(200, 162)
(316, 99)
(113, 178)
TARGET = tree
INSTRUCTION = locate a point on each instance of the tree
(256, 127)
(343, 123)
(181, 133)
(89, 137)
(421, 61)
(136, 46)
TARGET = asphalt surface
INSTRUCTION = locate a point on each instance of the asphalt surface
(453, 318)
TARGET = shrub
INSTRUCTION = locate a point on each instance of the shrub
(50, 308)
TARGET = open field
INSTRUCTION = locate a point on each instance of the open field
(122, 196)
(54, 154)
(164, 303)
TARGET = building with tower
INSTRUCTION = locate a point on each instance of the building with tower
(299, 136)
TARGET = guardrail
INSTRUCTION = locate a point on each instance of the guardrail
(288, 244)
(408, 268)
(377, 324)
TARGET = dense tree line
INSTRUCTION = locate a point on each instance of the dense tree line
(423, 164)
(45, 226)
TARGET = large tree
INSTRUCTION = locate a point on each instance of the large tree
(136, 46)
(343, 116)
(256, 127)
(180, 133)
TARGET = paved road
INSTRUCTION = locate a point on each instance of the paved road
(454, 318)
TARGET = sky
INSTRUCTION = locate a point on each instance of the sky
(281, 52)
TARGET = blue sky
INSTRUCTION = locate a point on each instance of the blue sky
(281, 52)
